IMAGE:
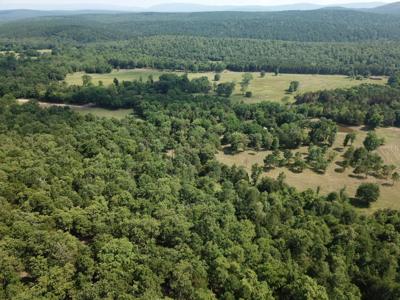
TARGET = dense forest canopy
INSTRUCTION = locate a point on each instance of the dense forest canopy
(95, 208)
(323, 25)
(315, 42)
(140, 208)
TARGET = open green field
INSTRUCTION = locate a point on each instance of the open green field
(86, 109)
(270, 87)
(332, 180)
(103, 112)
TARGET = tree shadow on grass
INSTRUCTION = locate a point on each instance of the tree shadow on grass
(339, 163)
(359, 203)
(365, 128)
(360, 177)
(229, 151)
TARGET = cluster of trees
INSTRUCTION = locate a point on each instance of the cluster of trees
(365, 161)
(321, 136)
(95, 208)
(126, 93)
(371, 105)
(25, 76)
(317, 159)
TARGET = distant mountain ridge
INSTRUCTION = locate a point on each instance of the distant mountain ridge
(392, 8)
(188, 7)
(20, 14)
(191, 7)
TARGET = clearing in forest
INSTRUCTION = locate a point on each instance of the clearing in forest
(333, 181)
(270, 87)
(86, 109)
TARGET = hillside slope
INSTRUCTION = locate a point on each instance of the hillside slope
(327, 25)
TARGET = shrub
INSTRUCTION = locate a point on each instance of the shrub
(368, 192)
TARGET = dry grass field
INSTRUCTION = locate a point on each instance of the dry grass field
(270, 87)
(332, 180)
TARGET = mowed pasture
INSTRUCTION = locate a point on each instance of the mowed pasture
(270, 87)
(332, 180)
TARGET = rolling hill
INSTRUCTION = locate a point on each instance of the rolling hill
(392, 8)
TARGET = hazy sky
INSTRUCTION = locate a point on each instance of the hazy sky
(73, 4)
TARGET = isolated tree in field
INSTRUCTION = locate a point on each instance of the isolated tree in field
(293, 86)
(368, 192)
(356, 156)
(217, 77)
(349, 138)
(116, 82)
(248, 94)
(387, 170)
(225, 89)
(372, 141)
(374, 163)
(276, 71)
(262, 74)
(246, 79)
(361, 169)
(86, 80)
(395, 177)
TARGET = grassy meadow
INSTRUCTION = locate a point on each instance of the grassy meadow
(103, 112)
(86, 109)
(270, 87)
(332, 180)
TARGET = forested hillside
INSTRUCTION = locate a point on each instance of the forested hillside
(315, 42)
(141, 207)
(327, 25)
